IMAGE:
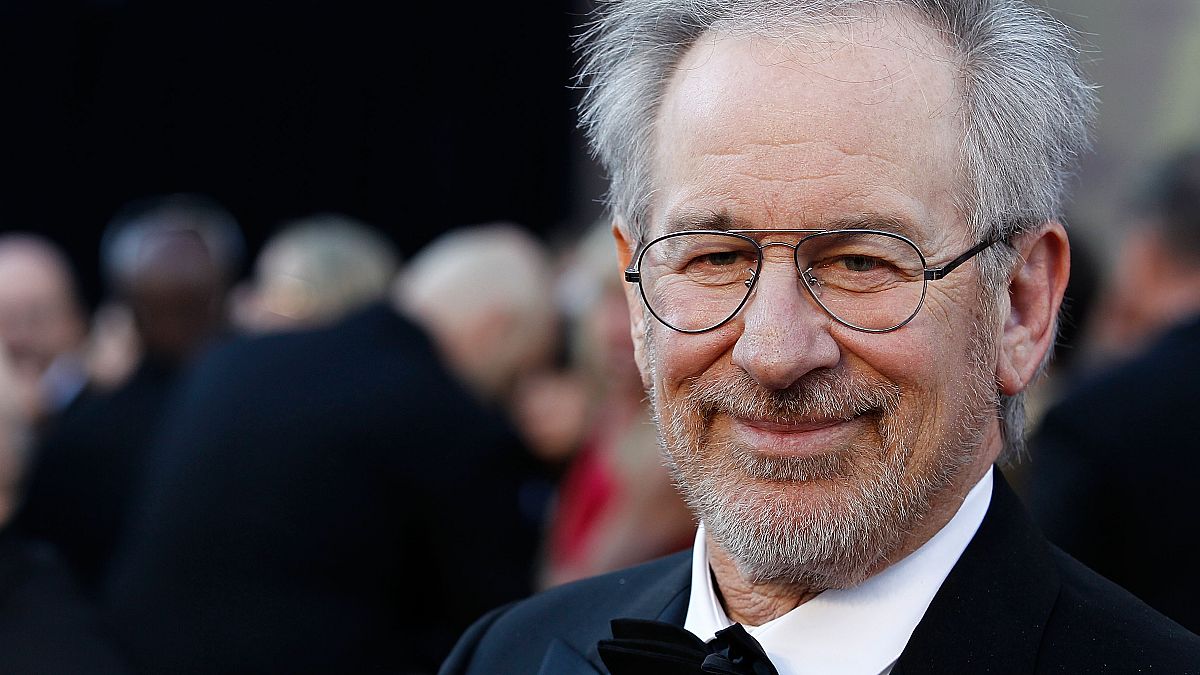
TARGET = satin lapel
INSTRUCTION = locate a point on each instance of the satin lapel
(664, 600)
(989, 615)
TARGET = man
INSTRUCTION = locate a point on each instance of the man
(169, 260)
(1085, 491)
(42, 324)
(300, 483)
(839, 221)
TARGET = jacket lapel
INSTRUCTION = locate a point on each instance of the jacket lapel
(560, 659)
(666, 599)
(989, 615)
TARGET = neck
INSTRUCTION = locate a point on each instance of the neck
(752, 603)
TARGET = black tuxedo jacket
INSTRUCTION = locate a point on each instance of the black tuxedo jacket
(1012, 604)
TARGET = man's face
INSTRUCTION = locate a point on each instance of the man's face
(38, 319)
(811, 450)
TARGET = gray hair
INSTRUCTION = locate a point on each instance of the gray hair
(1026, 106)
(341, 263)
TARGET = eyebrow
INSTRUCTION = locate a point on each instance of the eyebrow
(873, 221)
(723, 221)
(700, 220)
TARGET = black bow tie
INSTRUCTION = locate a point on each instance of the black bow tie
(643, 647)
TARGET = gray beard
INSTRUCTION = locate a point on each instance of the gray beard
(822, 522)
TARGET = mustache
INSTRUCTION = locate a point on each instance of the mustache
(818, 396)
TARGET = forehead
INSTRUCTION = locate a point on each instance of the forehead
(32, 275)
(826, 125)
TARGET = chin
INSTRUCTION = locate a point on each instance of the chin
(823, 521)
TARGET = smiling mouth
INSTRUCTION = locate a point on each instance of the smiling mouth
(792, 427)
(801, 438)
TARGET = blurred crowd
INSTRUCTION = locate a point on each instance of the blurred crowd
(338, 460)
(218, 471)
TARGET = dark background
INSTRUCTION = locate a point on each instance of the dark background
(412, 119)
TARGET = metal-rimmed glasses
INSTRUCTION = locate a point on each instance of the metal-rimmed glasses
(874, 281)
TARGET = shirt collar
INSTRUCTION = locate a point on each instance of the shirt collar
(852, 630)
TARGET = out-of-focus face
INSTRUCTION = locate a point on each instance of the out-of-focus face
(176, 294)
(39, 319)
(809, 449)
(14, 425)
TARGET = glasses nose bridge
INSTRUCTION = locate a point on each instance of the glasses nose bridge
(794, 263)
(764, 245)
(768, 244)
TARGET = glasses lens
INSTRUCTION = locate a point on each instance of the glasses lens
(870, 280)
(695, 281)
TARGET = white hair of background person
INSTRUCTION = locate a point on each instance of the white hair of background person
(486, 293)
(316, 270)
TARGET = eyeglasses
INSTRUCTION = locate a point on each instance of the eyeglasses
(869, 280)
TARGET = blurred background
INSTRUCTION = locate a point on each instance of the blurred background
(252, 253)
(455, 113)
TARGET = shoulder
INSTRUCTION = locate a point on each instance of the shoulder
(515, 638)
(1097, 626)
(372, 353)
(1142, 387)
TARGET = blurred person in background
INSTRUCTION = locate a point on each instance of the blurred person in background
(616, 505)
(313, 272)
(169, 261)
(172, 260)
(485, 294)
(45, 625)
(42, 324)
(1113, 461)
(15, 437)
(320, 501)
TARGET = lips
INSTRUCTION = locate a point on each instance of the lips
(804, 438)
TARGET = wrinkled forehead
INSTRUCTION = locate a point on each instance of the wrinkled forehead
(890, 64)
(805, 97)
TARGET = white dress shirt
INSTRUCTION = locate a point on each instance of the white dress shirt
(851, 631)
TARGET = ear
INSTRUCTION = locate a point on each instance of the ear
(637, 314)
(1035, 292)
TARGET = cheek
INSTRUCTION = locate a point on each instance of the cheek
(937, 373)
(916, 361)
(677, 358)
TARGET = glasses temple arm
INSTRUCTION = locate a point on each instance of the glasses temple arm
(935, 273)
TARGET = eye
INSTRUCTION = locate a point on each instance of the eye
(860, 263)
(720, 258)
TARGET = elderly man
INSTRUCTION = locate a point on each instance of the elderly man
(839, 224)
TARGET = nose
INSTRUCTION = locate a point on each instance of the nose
(785, 335)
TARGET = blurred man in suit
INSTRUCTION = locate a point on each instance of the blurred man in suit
(839, 224)
(169, 260)
(324, 501)
(1113, 461)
